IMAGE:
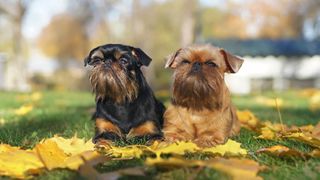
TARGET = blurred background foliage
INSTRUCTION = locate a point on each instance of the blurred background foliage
(43, 43)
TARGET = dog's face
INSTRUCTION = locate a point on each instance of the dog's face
(199, 75)
(114, 72)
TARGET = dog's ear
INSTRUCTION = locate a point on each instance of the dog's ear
(233, 62)
(94, 56)
(143, 58)
(171, 59)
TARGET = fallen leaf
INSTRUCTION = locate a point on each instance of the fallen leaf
(36, 96)
(8, 148)
(132, 151)
(282, 151)
(304, 138)
(19, 163)
(73, 145)
(50, 154)
(315, 153)
(248, 119)
(23, 110)
(179, 148)
(2, 122)
(316, 131)
(314, 102)
(231, 148)
(238, 169)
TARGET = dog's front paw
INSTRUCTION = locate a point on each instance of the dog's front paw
(209, 141)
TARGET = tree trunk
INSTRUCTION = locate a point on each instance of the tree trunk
(188, 25)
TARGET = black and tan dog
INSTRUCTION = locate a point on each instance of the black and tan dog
(125, 104)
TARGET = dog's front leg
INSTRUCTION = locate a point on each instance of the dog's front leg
(106, 132)
(147, 130)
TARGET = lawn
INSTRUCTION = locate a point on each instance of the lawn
(69, 113)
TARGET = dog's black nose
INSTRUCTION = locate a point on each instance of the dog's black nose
(196, 66)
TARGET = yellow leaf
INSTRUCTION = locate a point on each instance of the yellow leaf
(19, 163)
(179, 148)
(231, 147)
(36, 96)
(267, 133)
(74, 145)
(314, 103)
(304, 138)
(238, 169)
(133, 151)
(8, 148)
(50, 154)
(25, 109)
(2, 121)
(248, 119)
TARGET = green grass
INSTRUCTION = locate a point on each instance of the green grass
(67, 113)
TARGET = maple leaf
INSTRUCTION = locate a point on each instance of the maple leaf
(19, 163)
(74, 145)
(50, 154)
(25, 109)
(132, 151)
(179, 148)
(282, 151)
(312, 141)
(238, 169)
(248, 120)
(230, 147)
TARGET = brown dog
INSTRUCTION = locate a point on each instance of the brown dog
(201, 108)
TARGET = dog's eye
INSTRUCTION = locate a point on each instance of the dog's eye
(96, 58)
(123, 61)
(185, 61)
(211, 64)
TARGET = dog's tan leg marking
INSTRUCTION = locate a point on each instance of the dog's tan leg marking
(104, 125)
(143, 129)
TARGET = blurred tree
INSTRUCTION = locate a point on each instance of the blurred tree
(188, 22)
(65, 39)
(260, 19)
(16, 76)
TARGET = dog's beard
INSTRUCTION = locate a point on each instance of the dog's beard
(113, 83)
(198, 91)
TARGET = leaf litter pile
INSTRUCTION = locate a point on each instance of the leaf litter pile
(83, 156)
